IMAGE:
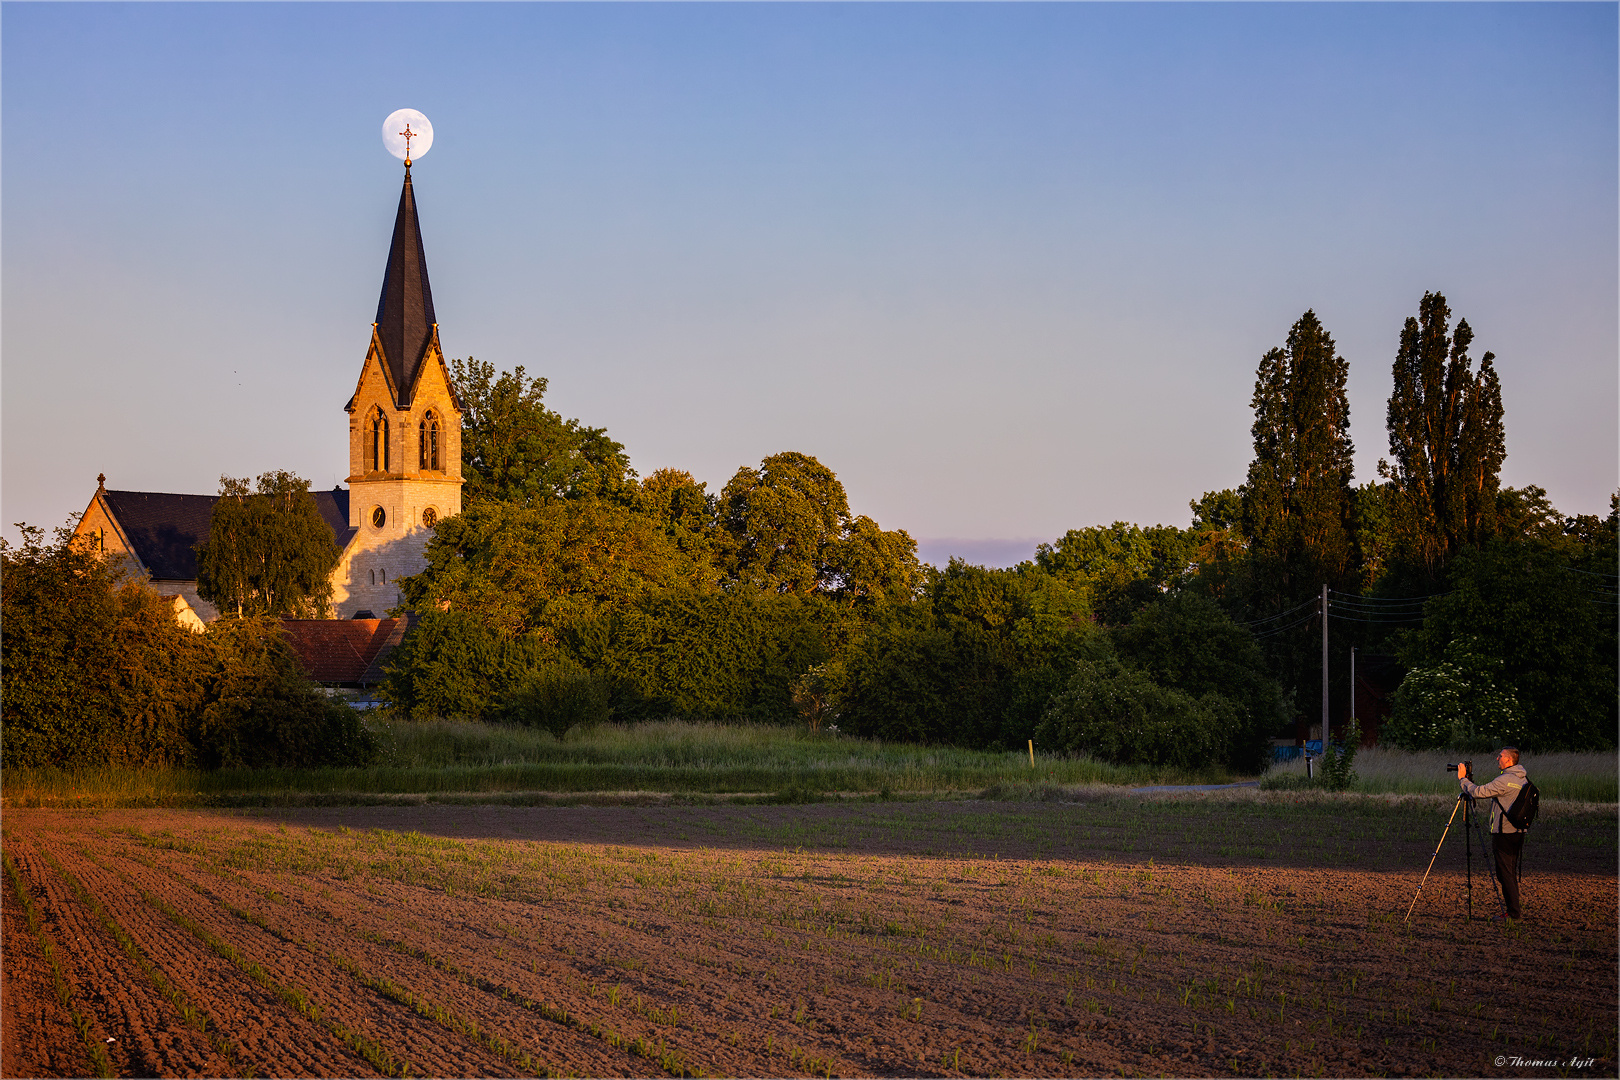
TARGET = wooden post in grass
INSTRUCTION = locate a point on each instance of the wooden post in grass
(1032, 753)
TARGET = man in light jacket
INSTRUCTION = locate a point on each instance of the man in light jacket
(1506, 841)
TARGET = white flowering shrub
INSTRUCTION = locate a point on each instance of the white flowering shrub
(1459, 702)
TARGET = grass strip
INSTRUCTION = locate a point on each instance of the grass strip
(191, 1015)
(298, 1000)
(695, 762)
(95, 1051)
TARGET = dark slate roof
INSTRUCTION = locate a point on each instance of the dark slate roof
(165, 529)
(334, 508)
(343, 651)
(405, 311)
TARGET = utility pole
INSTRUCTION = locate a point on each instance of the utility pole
(1324, 674)
(1352, 684)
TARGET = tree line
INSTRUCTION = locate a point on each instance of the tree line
(572, 590)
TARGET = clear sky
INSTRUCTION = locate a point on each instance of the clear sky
(1007, 269)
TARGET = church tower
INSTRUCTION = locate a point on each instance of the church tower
(404, 434)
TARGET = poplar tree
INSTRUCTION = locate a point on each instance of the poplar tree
(1297, 505)
(268, 552)
(1446, 441)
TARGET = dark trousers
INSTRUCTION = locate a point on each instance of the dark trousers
(1507, 847)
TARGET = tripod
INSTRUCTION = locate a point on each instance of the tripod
(1465, 803)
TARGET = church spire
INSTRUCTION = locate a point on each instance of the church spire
(405, 312)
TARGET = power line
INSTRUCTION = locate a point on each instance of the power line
(1389, 599)
(1281, 614)
(1281, 629)
(1399, 621)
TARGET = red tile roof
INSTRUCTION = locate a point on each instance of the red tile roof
(337, 651)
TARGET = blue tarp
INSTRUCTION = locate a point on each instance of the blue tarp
(1291, 753)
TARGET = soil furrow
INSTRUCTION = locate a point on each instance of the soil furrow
(554, 1044)
(37, 1036)
(400, 1031)
(269, 1038)
(148, 1036)
(749, 959)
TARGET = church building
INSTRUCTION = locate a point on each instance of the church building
(404, 423)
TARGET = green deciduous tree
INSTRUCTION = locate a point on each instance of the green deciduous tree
(871, 565)
(1186, 642)
(688, 514)
(519, 567)
(514, 449)
(1298, 506)
(784, 518)
(1544, 631)
(268, 552)
(1446, 440)
(788, 529)
(1120, 566)
(971, 663)
(1219, 551)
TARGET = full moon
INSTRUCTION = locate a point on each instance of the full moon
(393, 133)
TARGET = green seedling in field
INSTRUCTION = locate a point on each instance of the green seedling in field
(94, 1050)
(190, 1015)
(376, 1055)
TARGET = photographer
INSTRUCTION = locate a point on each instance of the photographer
(1506, 840)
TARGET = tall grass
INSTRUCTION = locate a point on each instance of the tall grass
(1586, 777)
(440, 758)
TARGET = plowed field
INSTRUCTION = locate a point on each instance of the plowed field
(1110, 937)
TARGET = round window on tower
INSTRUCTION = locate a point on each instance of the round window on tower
(379, 517)
(430, 517)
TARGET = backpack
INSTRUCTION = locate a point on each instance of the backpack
(1524, 809)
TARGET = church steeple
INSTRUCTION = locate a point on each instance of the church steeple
(405, 319)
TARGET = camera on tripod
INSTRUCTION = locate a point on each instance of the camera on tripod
(1468, 768)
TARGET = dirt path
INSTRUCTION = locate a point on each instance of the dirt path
(928, 939)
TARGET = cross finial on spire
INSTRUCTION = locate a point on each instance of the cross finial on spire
(409, 135)
(101, 480)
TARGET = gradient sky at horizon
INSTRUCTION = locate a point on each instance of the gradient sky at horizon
(1007, 269)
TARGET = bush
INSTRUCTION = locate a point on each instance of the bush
(1458, 703)
(1119, 714)
(259, 710)
(1339, 762)
(452, 666)
(557, 697)
(97, 672)
(1184, 641)
(970, 664)
(706, 656)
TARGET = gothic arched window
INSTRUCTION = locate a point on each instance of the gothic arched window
(428, 439)
(375, 437)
